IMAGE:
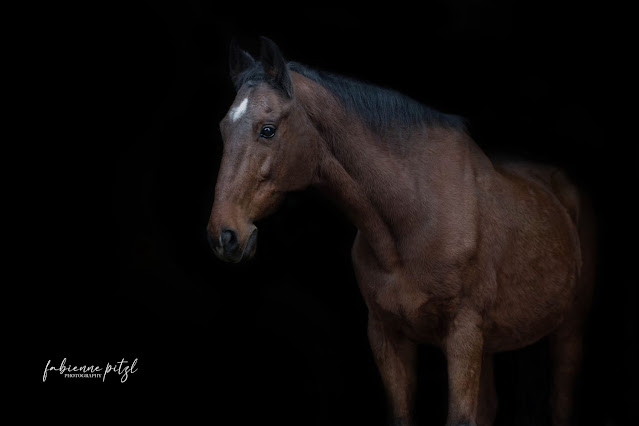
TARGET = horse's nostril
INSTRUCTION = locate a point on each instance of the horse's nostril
(228, 240)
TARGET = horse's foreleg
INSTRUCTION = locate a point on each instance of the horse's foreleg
(565, 348)
(395, 358)
(464, 352)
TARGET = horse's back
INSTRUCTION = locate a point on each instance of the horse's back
(553, 179)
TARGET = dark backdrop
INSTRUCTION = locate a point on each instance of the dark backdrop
(283, 339)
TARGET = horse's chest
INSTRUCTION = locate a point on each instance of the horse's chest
(404, 304)
(420, 315)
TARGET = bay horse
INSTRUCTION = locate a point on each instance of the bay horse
(452, 249)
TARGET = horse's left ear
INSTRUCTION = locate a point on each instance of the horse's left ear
(239, 61)
(275, 66)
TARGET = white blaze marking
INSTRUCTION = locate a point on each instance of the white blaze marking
(239, 110)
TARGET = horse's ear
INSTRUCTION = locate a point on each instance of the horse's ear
(239, 61)
(275, 66)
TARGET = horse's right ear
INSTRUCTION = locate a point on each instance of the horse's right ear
(239, 61)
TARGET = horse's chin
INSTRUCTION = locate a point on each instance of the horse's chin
(250, 247)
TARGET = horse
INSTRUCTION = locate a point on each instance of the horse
(452, 249)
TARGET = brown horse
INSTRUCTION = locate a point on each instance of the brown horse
(452, 249)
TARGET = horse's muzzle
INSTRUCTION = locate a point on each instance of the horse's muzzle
(229, 247)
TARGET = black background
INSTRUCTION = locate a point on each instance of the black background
(123, 199)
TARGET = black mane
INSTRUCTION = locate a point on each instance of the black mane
(378, 107)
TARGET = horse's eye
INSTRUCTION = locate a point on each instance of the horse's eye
(267, 131)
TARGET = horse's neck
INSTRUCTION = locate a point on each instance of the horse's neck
(372, 184)
(353, 195)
